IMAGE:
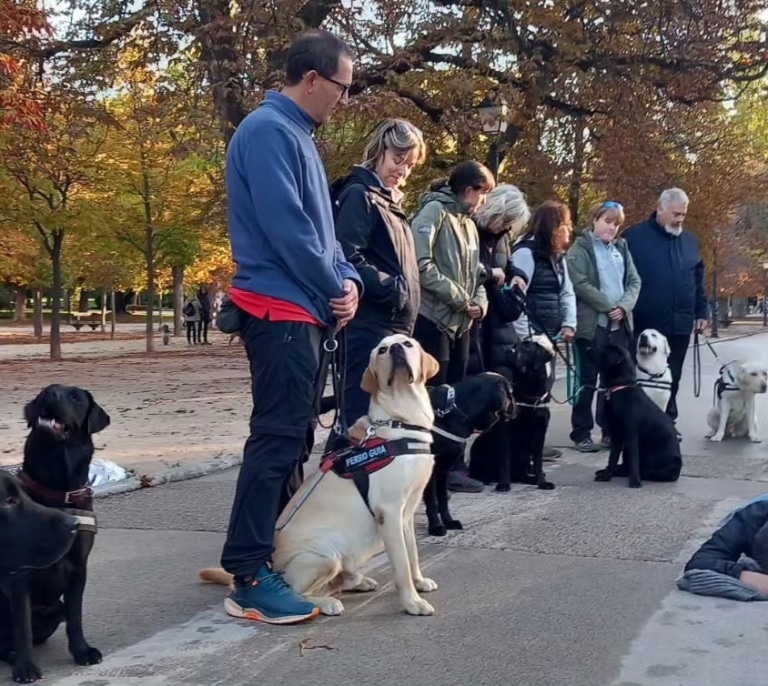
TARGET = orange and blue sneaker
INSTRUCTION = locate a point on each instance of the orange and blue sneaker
(266, 597)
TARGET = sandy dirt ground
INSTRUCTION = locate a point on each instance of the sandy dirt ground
(179, 405)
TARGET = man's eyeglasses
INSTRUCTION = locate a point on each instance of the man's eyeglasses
(344, 87)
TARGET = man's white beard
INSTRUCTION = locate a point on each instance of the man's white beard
(674, 230)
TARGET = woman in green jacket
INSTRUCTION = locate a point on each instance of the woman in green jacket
(450, 272)
(606, 285)
(451, 276)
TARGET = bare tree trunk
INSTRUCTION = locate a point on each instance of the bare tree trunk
(38, 313)
(57, 236)
(103, 310)
(19, 304)
(113, 315)
(160, 310)
(577, 170)
(178, 299)
(149, 252)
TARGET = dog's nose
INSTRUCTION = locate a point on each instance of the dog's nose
(395, 348)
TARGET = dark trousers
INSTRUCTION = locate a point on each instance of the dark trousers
(191, 332)
(362, 338)
(452, 355)
(678, 346)
(285, 363)
(202, 330)
(582, 422)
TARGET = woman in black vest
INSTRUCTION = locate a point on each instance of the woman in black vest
(539, 254)
(373, 231)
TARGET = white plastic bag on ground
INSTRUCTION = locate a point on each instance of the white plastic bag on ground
(104, 472)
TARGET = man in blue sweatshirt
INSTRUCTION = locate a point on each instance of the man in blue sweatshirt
(672, 297)
(292, 283)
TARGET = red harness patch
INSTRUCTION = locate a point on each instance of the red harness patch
(375, 455)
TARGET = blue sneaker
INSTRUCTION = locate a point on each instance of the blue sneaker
(266, 597)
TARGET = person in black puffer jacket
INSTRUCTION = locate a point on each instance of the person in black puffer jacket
(502, 217)
(373, 231)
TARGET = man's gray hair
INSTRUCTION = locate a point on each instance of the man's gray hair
(673, 195)
(505, 204)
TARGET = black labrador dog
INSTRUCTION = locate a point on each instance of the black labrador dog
(641, 433)
(57, 456)
(471, 406)
(512, 451)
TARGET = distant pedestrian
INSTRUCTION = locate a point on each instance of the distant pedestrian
(205, 315)
(192, 319)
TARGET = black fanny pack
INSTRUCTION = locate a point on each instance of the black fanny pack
(230, 316)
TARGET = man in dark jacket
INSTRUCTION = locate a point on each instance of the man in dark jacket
(672, 297)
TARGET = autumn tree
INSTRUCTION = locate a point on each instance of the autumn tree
(54, 171)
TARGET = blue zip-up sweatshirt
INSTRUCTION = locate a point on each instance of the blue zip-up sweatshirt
(279, 210)
(671, 269)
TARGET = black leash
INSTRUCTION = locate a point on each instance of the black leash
(333, 354)
(697, 360)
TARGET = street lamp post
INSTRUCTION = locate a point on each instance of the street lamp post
(765, 295)
(493, 118)
(715, 304)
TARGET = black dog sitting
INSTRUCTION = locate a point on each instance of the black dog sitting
(57, 456)
(473, 405)
(640, 432)
(512, 451)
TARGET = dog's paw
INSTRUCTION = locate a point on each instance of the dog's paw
(603, 475)
(365, 585)
(503, 488)
(437, 530)
(755, 439)
(425, 585)
(716, 438)
(635, 483)
(546, 486)
(418, 606)
(453, 525)
(89, 656)
(332, 607)
(26, 672)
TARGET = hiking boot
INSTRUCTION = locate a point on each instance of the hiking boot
(266, 597)
(459, 482)
(549, 453)
(585, 446)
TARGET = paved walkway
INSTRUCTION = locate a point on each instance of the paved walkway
(561, 588)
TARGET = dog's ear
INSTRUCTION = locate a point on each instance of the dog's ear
(429, 366)
(97, 419)
(370, 382)
(32, 411)
(667, 349)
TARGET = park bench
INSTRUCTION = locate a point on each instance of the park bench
(85, 319)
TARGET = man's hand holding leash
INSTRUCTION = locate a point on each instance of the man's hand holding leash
(344, 308)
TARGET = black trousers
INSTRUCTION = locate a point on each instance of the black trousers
(678, 346)
(191, 332)
(362, 337)
(285, 364)
(582, 421)
(202, 330)
(452, 355)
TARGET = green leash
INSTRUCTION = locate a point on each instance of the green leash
(573, 372)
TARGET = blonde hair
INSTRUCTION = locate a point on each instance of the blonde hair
(399, 136)
(505, 204)
(614, 210)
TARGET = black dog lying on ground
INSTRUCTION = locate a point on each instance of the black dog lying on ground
(512, 451)
(57, 456)
(473, 405)
(640, 431)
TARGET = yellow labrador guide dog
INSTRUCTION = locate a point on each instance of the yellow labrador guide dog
(329, 530)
